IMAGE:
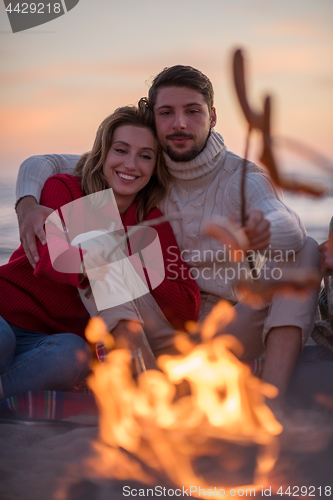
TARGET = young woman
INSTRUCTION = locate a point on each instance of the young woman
(42, 319)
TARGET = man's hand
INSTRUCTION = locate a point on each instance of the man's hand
(31, 218)
(257, 230)
(326, 255)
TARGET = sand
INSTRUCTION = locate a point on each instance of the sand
(47, 461)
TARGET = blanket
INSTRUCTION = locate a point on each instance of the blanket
(74, 407)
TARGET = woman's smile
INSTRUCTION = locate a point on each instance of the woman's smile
(126, 177)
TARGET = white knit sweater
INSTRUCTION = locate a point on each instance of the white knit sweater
(207, 186)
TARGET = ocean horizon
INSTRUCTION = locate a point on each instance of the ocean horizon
(314, 213)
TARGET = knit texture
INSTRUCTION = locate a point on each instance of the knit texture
(208, 187)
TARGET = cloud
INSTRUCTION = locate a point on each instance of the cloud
(138, 69)
(289, 28)
(291, 59)
(58, 120)
(69, 70)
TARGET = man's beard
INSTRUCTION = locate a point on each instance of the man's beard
(178, 156)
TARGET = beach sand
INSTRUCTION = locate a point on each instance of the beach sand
(47, 461)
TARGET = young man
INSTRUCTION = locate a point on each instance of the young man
(206, 180)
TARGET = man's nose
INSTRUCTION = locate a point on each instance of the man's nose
(179, 121)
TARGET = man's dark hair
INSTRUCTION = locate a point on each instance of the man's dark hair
(182, 76)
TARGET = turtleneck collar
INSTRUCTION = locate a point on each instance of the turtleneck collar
(202, 164)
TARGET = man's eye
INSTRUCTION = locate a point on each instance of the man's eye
(193, 111)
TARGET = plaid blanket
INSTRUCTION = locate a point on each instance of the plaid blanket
(73, 407)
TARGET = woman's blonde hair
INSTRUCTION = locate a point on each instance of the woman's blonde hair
(90, 165)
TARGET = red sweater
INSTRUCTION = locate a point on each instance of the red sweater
(46, 300)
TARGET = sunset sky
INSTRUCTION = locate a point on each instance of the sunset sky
(59, 80)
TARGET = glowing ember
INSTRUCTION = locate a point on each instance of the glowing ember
(96, 332)
(147, 418)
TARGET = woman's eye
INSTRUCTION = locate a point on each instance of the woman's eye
(164, 113)
(146, 157)
(120, 150)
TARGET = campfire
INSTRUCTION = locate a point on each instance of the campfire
(149, 427)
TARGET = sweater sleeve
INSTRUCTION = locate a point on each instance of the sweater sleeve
(178, 295)
(56, 194)
(35, 171)
(287, 230)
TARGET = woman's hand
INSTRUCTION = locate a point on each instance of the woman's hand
(31, 218)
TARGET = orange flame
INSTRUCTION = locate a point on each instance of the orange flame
(147, 418)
